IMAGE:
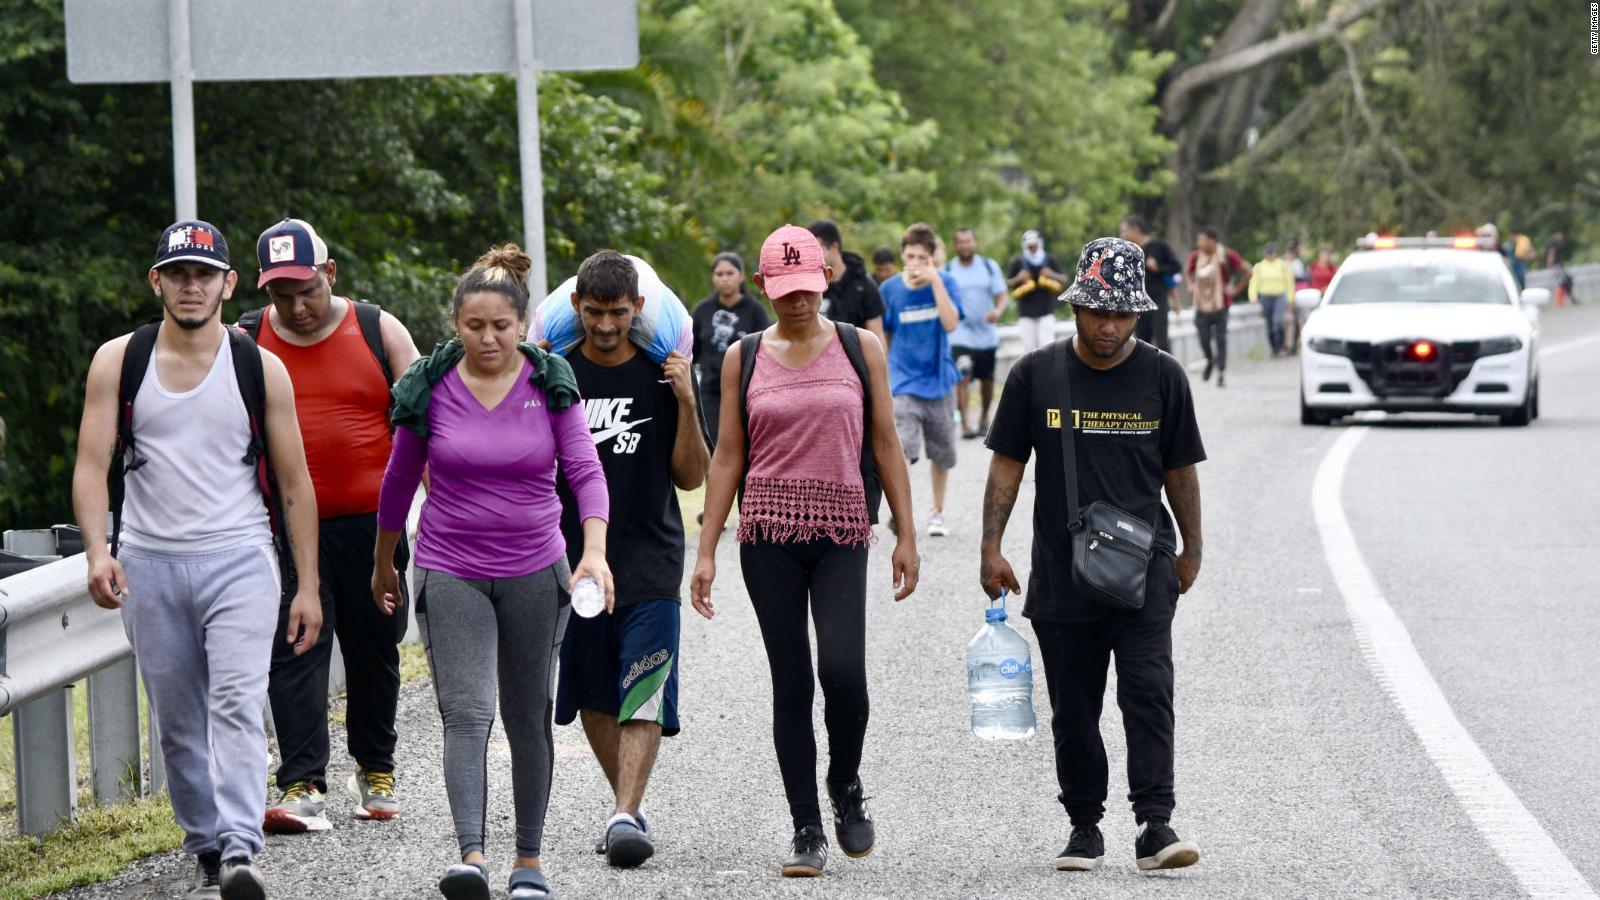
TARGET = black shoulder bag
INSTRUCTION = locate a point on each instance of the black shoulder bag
(1111, 549)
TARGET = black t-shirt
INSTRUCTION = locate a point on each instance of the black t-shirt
(854, 298)
(633, 419)
(718, 327)
(1135, 422)
(1039, 302)
(1155, 283)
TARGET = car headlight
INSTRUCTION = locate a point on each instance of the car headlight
(1333, 346)
(1496, 346)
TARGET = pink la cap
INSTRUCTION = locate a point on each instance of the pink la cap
(791, 260)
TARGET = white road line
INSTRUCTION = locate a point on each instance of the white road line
(1516, 836)
(1565, 346)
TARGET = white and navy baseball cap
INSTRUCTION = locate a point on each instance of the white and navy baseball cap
(192, 241)
(290, 249)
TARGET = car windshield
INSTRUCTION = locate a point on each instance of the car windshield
(1420, 282)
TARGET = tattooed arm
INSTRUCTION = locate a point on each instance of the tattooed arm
(1183, 495)
(999, 496)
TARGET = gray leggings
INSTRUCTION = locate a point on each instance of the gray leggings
(474, 631)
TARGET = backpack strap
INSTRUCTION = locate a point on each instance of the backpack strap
(248, 372)
(124, 456)
(369, 318)
(749, 346)
(850, 339)
(250, 322)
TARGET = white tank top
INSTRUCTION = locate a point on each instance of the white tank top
(194, 493)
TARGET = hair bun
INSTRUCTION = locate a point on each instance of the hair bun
(509, 257)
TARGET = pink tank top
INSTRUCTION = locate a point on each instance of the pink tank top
(804, 481)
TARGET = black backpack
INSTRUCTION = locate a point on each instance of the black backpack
(248, 373)
(368, 318)
(851, 341)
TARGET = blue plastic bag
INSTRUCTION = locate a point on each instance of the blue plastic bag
(661, 327)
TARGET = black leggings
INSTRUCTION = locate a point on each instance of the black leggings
(779, 578)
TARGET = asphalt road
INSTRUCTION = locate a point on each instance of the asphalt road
(1297, 775)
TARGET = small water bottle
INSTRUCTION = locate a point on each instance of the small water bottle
(588, 598)
(1000, 680)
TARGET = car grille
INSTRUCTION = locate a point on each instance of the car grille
(1389, 372)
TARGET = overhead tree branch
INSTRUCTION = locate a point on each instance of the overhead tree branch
(1389, 146)
(1163, 25)
(1283, 135)
(1175, 102)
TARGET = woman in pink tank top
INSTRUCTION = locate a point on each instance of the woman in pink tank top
(804, 530)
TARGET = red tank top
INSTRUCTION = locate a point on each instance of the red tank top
(341, 398)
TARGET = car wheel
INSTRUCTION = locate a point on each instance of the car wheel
(1309, 416)
(1527, 412)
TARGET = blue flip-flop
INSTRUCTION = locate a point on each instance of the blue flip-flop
(465, 881)
(529, 884)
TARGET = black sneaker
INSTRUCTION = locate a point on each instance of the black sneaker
(1207, 375)
(1222, 380)
(241, 881)
(852, 825)
(810, 853)
(1085, 849)
(1158, 847)
(207, 876)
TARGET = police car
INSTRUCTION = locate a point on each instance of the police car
(1421, 325)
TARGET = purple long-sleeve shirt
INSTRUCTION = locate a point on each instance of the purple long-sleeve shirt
(492, 510)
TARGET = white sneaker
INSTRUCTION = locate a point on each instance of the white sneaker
(936, 526)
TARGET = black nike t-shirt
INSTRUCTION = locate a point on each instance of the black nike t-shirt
(1134, 423)
(633, 419)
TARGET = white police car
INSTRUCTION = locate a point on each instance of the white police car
(1421, 325)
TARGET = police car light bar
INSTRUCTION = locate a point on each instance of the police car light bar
(1459, 242)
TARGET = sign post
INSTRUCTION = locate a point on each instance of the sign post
(112, 41)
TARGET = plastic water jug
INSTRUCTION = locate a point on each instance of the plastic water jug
(1000, 680)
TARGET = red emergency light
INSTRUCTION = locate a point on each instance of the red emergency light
(1466, 242)
(1423, 351)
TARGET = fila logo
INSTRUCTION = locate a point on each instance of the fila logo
(1125, 526)
(608, 418)
(280, 248)
(791, 254)
(530, 404)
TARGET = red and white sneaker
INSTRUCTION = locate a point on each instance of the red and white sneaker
(373, 793)
(299, 810)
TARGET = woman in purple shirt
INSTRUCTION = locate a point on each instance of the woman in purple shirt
(492, 419)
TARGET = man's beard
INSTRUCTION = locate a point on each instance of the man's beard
(1094, 349)
(195, 324)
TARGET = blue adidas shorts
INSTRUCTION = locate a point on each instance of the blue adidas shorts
(622, 664)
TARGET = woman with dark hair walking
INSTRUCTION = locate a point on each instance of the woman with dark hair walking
(492, 419)
(720, 320)
(805, 523)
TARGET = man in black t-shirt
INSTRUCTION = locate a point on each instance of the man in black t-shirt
(1133, 433)
(1035, 278)
(852, 295)
(619, 670)
(1160, 264)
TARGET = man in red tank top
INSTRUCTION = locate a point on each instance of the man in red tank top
(341, 389)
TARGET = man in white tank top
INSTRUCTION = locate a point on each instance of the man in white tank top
(197, 576)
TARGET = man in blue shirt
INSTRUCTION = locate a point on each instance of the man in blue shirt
(982, 297)
(919, 312)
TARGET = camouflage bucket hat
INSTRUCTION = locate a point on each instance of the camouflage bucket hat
(1110, 277)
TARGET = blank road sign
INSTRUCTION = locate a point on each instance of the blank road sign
(119, 41)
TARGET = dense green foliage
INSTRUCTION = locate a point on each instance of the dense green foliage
(744, 115)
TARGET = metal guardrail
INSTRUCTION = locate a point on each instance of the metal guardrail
(53, 636)
(1585, 280)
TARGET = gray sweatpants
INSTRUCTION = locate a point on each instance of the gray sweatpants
(480, 635)
(201, 628)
